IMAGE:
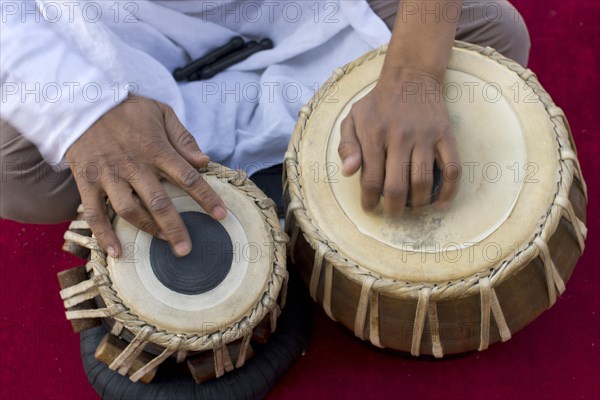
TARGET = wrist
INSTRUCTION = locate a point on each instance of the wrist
(402, 73)
(409, 80)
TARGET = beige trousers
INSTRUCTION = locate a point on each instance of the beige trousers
(32, 191)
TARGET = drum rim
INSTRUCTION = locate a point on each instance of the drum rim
(271, 301)
(468, 285)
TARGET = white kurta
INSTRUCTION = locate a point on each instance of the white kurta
(67, 63)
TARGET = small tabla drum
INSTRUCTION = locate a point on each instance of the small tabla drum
(442, 282)
(204, 312)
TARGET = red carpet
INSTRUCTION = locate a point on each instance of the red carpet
(556, 357)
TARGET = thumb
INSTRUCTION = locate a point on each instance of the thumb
(182, 140)
(349, 148)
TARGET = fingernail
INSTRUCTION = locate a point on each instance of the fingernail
(441, 205)
(392, 216)
(203, 158)
(200, 154)
(161, 236)
(219, 212)
(182, 249)
(111, 251)
(347, 164)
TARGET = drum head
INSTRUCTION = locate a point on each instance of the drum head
(217, 284)
(509, 173)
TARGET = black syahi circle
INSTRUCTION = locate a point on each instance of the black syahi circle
(205, 267)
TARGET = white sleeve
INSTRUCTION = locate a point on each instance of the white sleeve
(49, 91)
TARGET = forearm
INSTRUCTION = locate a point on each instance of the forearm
(422, 38)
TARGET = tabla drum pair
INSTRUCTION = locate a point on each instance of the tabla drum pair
(169, 327)
(430, 283)
(442, 282)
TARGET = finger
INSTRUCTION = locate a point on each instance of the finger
(128, 207)
(161, 208)
(451, 171)
(396, 187)
(96, 216)
(349, 148)
(182, 140)
(421, 177)
(190, 180)
(372, 176)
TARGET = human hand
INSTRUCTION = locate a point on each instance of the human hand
(394, 134)
(130, 147)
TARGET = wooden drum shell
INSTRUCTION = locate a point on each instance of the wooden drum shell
(523, 296)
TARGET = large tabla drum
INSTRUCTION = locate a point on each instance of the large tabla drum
(442, 282)
(202, 316)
